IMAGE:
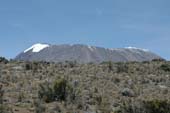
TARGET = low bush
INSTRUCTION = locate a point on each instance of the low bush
(46, 93)
(151, 106)
(159, 60)
(3, 60)
(157, 106)
(165, 67)
(122, 68)
(59, 91)
(39, 107)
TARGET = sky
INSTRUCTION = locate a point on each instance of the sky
(103, 23)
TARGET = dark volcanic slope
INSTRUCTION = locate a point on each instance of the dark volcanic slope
(84, 54)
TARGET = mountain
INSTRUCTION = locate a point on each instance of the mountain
(84, 54)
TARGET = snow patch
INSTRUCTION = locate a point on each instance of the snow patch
(135, 48)
(37, 47)
(91, 48)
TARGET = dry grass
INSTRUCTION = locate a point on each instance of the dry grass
(99, 88)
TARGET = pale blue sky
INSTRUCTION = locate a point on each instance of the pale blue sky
(105, 23)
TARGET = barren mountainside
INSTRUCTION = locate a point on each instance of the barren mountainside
(84, 54)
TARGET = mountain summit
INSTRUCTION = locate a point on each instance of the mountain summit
(84, 54)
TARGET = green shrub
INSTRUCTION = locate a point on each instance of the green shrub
(28, 66)
(157, 106)
(110, 66)
(21, 96)
(39, 107)
(61, 89)
(122, 68)
(1, 99)
(3, 60)
(1, 94)
(45, 93)
(4, 108)
(165, 67)
(159, 60)
(151, 106)
(131, 107)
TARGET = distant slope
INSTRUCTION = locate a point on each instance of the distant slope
(84, 54)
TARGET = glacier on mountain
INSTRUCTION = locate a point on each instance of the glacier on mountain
(37, 47)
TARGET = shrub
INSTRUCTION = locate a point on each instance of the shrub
(28, 66)
(157, 106)
(4, 108)
(3, 60)
(103, 104)
(158, 60)
(72, 63)
(110, 66)
(21, 96)
(122, 67)
(165, 67)
(61, 89)
(151, 106)
(1, 94)
(45, 93)
(39, 107)
(1, 99)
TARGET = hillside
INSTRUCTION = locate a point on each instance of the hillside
(42, 87)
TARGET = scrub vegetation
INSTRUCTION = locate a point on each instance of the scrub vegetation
(69, 87)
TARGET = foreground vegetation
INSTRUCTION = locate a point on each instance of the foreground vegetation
(69, 87)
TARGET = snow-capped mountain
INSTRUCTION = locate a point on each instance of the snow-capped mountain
(84, 54)
(37, 47)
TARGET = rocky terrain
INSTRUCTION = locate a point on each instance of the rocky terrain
(84, 54)
(70, 87)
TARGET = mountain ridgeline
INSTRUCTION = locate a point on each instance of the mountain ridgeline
(84, 54)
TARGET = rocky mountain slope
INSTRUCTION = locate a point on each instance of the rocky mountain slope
(84, 54)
